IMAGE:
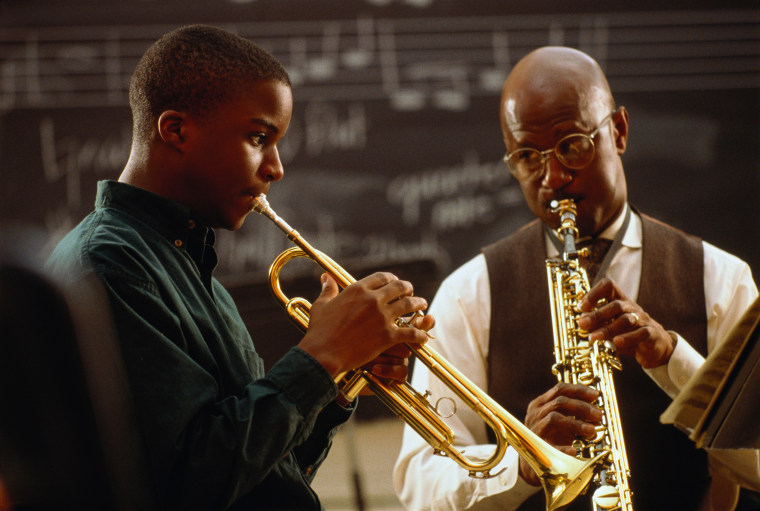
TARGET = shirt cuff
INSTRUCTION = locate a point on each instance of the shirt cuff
(304, 381)
(508, 478)
(683, 363)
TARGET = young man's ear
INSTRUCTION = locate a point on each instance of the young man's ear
(172, 128)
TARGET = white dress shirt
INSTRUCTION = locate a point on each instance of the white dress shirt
(462, 309)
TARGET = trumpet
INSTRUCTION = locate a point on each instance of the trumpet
(562, 476)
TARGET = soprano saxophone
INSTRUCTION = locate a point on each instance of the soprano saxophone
(579, 360)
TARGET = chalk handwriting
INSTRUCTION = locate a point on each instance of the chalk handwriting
(256, 247)
(327, 130)
(411, 192)
(68, 157)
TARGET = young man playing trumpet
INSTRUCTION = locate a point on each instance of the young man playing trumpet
(209, 109)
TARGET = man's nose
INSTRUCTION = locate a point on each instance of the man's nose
(555, 175)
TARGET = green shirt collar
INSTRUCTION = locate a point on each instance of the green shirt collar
(174, 221)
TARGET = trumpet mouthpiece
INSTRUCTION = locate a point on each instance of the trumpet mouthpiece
(260, 203)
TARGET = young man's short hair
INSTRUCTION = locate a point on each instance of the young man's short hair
(193, 69)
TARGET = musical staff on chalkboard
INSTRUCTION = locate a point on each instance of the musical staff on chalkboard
(412, 64)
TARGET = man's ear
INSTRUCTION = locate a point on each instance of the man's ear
(172, 128)
(620, 126)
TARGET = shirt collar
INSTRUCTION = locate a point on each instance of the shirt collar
(611, 231)
(173, 220)
(632, 235)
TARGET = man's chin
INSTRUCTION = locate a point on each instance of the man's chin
(549, 218)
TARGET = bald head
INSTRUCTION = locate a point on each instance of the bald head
(554, 80)
(553, 93)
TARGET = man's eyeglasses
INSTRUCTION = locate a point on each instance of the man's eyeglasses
(574, 151)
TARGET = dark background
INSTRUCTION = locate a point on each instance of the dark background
(393, 158)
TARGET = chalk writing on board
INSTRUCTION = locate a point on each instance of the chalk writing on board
(432, 203)
(412, 192)
(328, 129)
(65, 159)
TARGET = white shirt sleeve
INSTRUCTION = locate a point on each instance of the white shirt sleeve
(423, 480)
(729, 291)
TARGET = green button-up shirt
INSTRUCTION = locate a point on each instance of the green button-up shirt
(219, 432)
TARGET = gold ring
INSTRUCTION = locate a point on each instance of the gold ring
(635, 318)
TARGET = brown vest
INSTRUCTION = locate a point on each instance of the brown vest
(667, 471)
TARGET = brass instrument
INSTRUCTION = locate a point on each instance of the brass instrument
(563, 477)
(580, 361)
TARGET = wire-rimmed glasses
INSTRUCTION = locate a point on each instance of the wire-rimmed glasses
(574, 151)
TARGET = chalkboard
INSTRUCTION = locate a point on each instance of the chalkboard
(394, 156)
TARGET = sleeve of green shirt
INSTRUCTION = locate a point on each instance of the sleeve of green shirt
(206, 441)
